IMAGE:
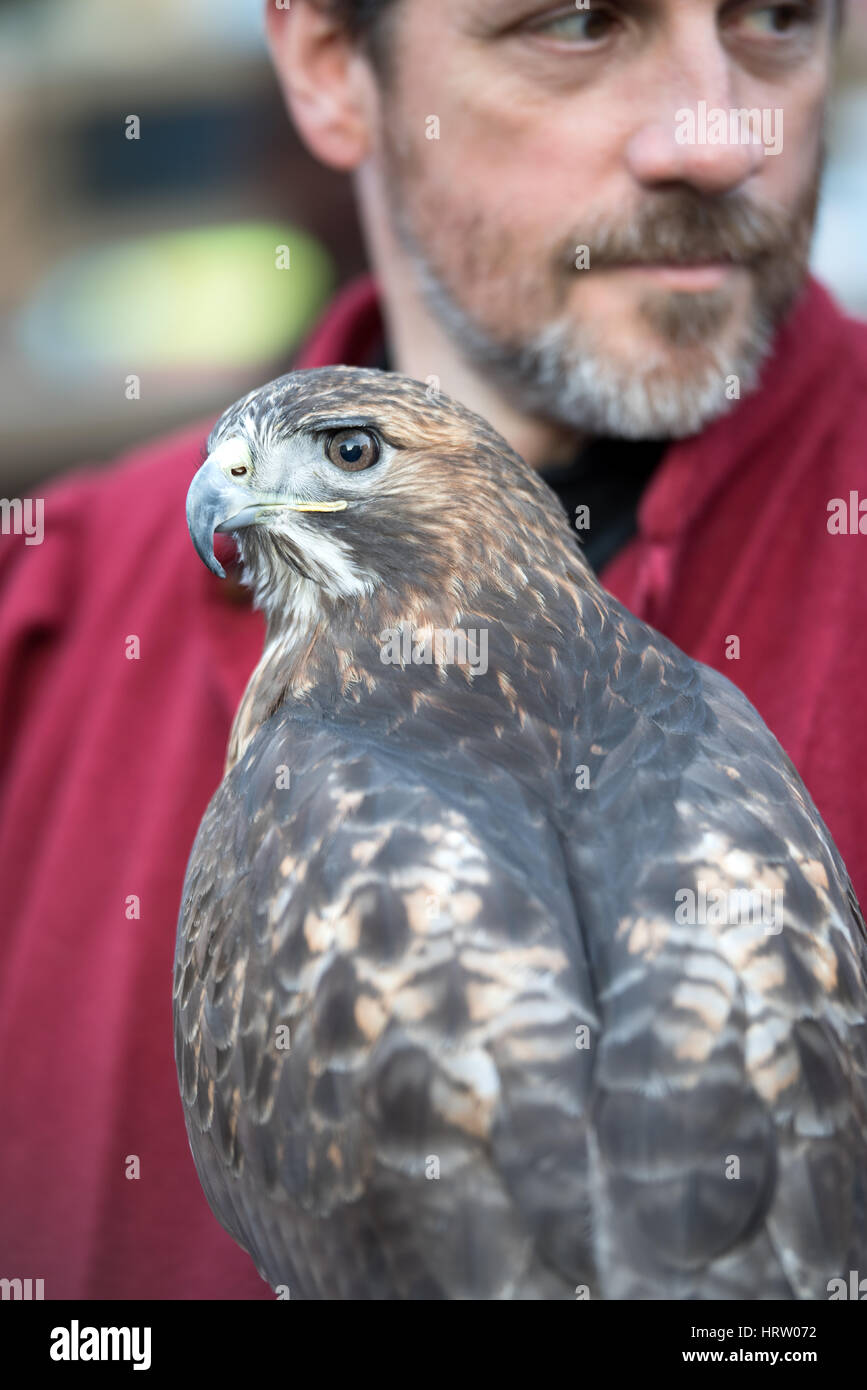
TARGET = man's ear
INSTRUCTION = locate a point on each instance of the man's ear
(327, 81)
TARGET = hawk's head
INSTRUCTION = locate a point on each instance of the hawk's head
(341, 482)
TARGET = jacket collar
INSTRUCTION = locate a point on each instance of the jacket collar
(694, 471)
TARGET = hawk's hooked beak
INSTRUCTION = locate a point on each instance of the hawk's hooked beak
(215, 502)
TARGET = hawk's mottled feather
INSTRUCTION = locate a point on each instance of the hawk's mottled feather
(511, 1069)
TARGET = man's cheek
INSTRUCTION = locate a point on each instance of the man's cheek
(784, 177)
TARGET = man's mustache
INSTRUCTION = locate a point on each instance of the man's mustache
(682, 228)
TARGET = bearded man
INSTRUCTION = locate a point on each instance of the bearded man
(589, 224)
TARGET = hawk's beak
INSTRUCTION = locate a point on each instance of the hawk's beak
(215, 502)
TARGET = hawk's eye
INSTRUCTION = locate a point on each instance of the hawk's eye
(353, 450)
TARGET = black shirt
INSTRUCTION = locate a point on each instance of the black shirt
(601, 491)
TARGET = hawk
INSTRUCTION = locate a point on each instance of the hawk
(514, 960)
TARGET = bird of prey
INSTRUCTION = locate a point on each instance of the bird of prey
(514, 960)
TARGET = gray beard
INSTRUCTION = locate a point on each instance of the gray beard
(563, 375)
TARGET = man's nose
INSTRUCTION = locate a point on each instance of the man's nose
(655, 156)
(703, 85)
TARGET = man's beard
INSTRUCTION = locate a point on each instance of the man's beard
(563, 371)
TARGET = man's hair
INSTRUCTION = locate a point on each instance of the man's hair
(359, 16)
(363, 20)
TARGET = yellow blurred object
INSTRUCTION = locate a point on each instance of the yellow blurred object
(217, 297)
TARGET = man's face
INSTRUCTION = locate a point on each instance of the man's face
(623, 129)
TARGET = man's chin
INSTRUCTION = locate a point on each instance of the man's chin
(639, 359)
(683, 348)
(657, 389)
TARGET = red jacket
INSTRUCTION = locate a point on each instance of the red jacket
(108, 764)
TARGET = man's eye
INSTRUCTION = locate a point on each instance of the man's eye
(777, 19)
(352, 450)
(579, 26)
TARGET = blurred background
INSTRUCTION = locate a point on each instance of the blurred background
(155, 256)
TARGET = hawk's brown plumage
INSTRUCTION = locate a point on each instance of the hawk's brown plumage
(514, 1065)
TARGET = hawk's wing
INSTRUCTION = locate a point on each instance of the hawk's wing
(511, 1070)
(429, 1087)
(728, 1128)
